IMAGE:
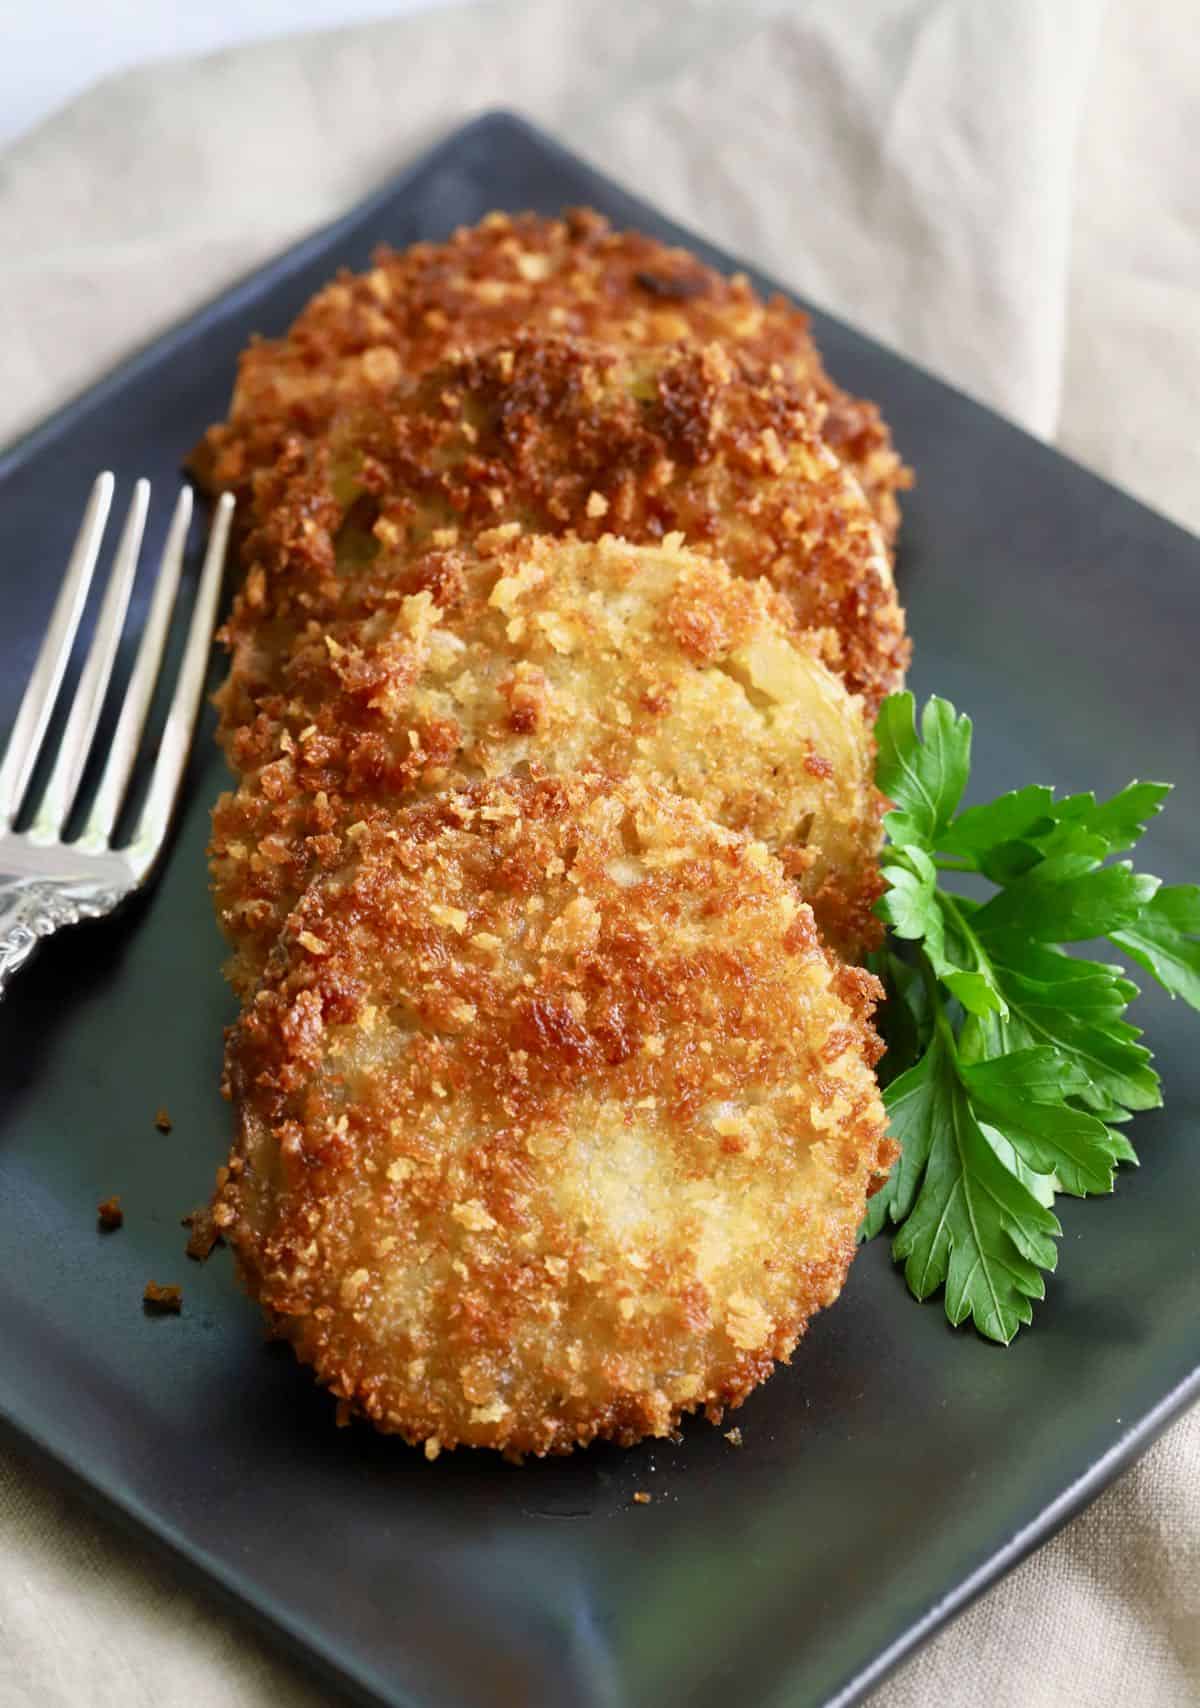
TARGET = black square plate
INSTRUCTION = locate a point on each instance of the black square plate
(897, 1466)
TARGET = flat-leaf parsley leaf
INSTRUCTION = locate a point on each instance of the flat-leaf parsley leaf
(1010, 1064)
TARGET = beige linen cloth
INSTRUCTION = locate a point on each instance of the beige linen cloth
(1005, 190)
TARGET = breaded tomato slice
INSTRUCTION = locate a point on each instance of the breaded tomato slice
(554, 1119)
(562, 436)
(553, 656)
(575, 275)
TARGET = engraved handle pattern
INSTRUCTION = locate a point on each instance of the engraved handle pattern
(31, 909)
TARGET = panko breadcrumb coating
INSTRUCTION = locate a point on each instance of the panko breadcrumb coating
(557, 656)
(560, 435)
(574, 275)
(555, 1120)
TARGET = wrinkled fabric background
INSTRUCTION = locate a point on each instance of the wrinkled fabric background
(1007, 194)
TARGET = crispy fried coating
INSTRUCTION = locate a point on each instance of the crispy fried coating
(555, 1121)
(560, 435)
(573, 275)
(556, 656)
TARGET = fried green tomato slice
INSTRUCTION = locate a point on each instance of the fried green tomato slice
(553, 656)
(562, 436)
(575, 275)
(554, 1119)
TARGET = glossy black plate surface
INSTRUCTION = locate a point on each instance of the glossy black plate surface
(887, 1475)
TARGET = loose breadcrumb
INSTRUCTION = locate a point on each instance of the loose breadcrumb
(204, 1233)
(162, 1120)
(734, 1437)
(110, 1212)
(641, 1498)
(162, 1300)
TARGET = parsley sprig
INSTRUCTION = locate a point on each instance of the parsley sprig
(1011, 1066)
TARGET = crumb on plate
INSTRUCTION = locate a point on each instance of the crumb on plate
(204, 1233)
(164, 1299)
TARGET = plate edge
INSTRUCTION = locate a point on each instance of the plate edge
(1025, 1542)
(128, 1513)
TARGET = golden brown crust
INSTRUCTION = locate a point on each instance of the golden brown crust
(573, 275)
(561, 436)
(557, 656)
(555, 1120)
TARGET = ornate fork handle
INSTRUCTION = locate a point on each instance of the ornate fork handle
(33, 908)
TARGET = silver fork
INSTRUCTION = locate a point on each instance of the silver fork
(45, 882)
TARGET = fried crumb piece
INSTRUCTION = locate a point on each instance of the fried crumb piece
(110, 1212)
(641, 1498)
(204, 1235)
(162, 1120)
(158, 1298)
(734, 1437)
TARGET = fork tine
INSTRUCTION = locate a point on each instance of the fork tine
(181, 719)
(56, 803)
(45, 679)
(119, 766)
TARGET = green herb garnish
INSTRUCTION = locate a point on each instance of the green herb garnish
(1010, 1065)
